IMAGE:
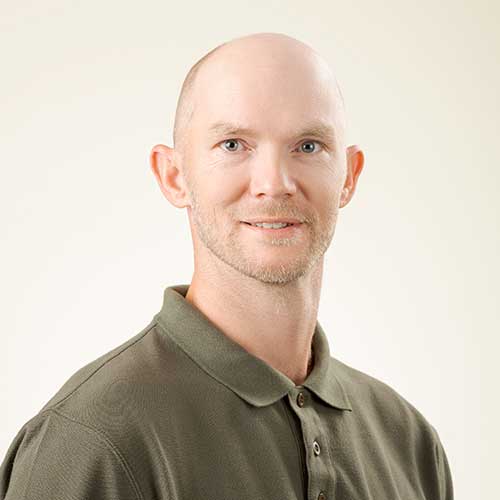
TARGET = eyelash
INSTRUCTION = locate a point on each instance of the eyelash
(304, 141)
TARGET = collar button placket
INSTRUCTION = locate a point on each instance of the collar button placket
(320, 471)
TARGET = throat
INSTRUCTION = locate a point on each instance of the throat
(311, 361)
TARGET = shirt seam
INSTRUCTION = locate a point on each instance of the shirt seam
(58, 403)
(30, 477)
(110, 445)
(440, 468)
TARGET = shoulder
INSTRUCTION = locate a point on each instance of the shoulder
(377, 403)
(100, 415)
(112, 393)
(53, 455)
(384, 418)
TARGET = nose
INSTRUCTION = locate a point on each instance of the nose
(271, 175)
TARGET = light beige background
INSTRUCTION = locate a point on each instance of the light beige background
(410, 290)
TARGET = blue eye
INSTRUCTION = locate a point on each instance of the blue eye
(309, 149)
(231, 145)
(231, 142)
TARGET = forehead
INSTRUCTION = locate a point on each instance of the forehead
(267, 94)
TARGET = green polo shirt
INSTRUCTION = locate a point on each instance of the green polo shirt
(182, 412)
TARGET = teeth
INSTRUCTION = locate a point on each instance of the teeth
(269, 225)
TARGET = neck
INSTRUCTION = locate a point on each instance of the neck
(274, 323)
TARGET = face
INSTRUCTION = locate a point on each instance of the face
(283, 157)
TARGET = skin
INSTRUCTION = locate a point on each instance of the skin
(261, 290)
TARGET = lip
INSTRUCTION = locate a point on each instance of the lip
(287, 220)
(284, 231)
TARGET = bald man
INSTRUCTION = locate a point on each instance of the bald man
(231, 390)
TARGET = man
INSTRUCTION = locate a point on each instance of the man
(231, 391)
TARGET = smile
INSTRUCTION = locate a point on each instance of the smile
(277, 229)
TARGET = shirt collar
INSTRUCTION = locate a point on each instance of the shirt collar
(228, 362)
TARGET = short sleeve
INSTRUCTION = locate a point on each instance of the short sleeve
(445, 477)
(57, 458)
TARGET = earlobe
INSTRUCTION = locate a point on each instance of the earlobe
(344, 197)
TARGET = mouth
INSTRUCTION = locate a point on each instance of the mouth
(289, 229)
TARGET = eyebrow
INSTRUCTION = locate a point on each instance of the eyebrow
(317, 129)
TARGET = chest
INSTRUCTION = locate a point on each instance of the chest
(282, 451)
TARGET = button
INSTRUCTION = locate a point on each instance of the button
(316, 448)
(301, 399)
(321, 496)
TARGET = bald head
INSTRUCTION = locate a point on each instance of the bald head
(185, 103)
(264, 43)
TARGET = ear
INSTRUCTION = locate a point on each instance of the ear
(164, 164)
(355, 163)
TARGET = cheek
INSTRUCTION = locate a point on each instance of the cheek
(217, 198)
(324, 195)
(224, 185)
(328, 177)
(321, 179)
(215, 180)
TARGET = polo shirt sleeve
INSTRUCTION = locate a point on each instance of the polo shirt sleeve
(55, 457)
(445, 478)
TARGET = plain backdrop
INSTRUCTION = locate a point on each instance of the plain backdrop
(88, 242)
